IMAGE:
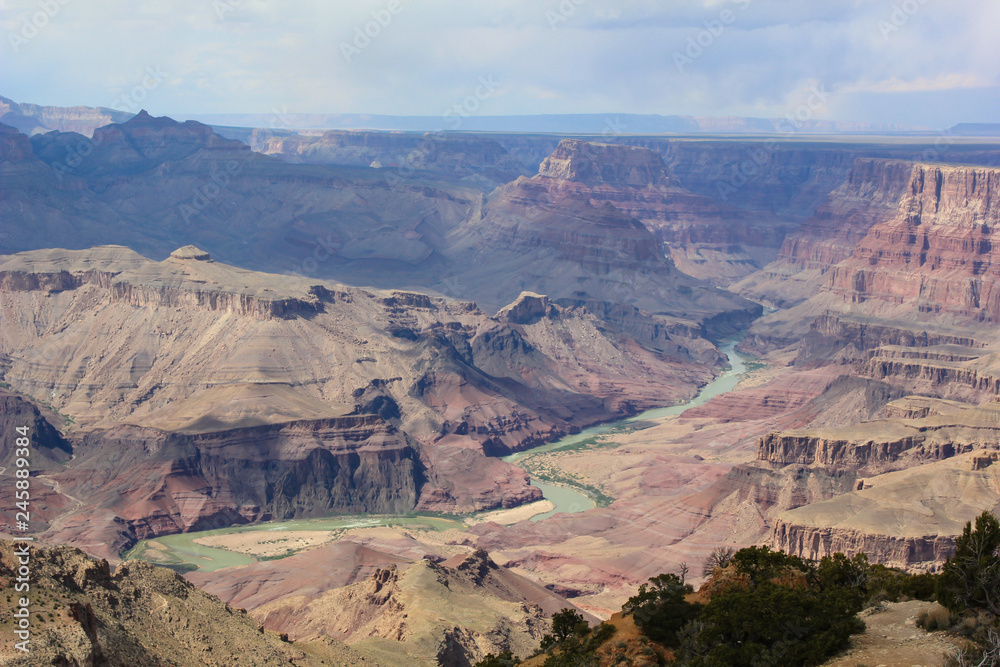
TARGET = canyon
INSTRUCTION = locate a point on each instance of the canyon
(244, 327)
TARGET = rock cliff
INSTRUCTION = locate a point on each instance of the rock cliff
(83, 614)
(459, 156)
(563, 233)
(907, 518)
(705, 237)
(869, 194)
(938, 254)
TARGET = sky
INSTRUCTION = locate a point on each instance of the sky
(927, 63)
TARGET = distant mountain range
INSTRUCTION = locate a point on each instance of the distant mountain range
(35, 119)
(607, 125)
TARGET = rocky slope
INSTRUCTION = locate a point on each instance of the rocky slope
(451, 613)
(205, 395)
(554, 234)
(82, 614)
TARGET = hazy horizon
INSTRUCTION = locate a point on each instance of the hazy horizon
(914, 62)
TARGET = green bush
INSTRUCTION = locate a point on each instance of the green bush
(774, 624)
(971, 578)
(885, 583)
(579, 650)
(781, 610)
(565, 625)
(505, 659)
(660, 610)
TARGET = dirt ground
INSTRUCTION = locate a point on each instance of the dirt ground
(894, 640)
(513, 515)
(263, 544)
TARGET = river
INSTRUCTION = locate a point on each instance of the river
(180, 551)
(569, 499)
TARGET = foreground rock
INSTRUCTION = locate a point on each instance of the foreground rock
(81, 614)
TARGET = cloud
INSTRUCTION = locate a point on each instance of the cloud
(552, 56)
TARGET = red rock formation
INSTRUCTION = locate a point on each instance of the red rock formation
(939, 253)
(869, 195)
(912, 553)
(705, 238)
(569, 239)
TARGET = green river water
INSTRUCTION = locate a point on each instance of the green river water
(183, 553)
(568, 499)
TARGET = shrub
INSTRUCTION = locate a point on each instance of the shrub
(761, 564)
(505, 659)
(660, 610)
(971, 578)
(565, 624)
(782, 610)
(579, 650)
(885, 583)
(774, 624)
(987, 654)
(720, 557)
(935, 619)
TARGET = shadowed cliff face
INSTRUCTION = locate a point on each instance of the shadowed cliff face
(135, 483)
(477, 159)
(705, 238)
(154, 184)
(563, 233)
